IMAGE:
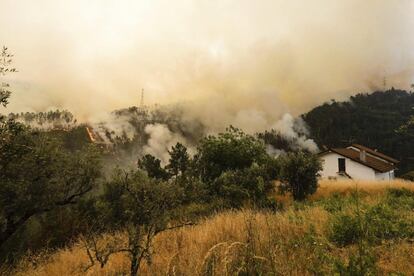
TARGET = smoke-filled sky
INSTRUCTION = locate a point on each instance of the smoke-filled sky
(229, 61)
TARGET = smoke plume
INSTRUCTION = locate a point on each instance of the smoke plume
(228, 62)
(161, 139)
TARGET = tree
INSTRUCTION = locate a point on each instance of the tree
(179, 160)
(6, 60)
(37, 175)
(141, 206)
(231, 150)
(251, 184)
(407, 128)
(236, 167)
(299, 173)
(152, 166)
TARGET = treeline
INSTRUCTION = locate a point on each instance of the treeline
(381, 120)
(53, 119)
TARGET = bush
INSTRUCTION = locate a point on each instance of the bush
(239, 186)
(299, 174)
(400, 198)
(228, 151)
(385, 223)
(378, 223)
(362, 263)
(344, 229)
(235, 167)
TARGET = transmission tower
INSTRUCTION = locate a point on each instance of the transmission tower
(142, 99)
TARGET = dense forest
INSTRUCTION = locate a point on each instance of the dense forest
(380, 120)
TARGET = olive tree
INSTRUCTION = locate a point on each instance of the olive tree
(37, 175)
(140, 207)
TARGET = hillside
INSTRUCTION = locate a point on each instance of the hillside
(319, 237)
(381, 120)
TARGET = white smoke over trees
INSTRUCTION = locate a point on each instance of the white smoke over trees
(295, 129)
(161, 139)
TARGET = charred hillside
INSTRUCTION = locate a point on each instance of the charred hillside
(381, 120)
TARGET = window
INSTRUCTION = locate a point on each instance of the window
(341, 165)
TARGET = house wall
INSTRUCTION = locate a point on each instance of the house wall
(353, 169)
(385, 176)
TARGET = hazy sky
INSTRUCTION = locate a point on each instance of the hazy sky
(248, 60)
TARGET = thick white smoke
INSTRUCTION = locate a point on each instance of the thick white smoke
(161, 139)
(113, 125)
(294, 129)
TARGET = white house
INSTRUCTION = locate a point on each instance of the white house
(357, 162)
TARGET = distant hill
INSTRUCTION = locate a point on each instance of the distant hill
(382, 120)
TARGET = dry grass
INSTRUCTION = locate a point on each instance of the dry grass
(285, 243)
(327, 187)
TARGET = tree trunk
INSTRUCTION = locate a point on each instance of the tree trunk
(134, 264)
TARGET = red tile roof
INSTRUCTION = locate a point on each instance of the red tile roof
(376, 153)
(374, 163)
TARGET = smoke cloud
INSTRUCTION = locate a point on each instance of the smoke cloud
(161, 139)
(228, 62)
(294, 129)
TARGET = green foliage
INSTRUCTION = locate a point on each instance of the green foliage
(179, 160)
(402, 199)
(231, 150)
(345, 229)
(299, 173)
(141, 206)
(152, 166)
(240, 186)
(38, 175)
(363, 263)
(400, 193)
(381, 120)
(134, 198)
(236, 167)
(336, 202)
(375, 224)
(407, 128)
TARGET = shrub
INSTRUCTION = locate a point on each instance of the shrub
(231, 150)
(362, 263)
(384, 223)
(334, 203)
(299, 174)
(344, 229)
(402, 199)
(379, 222)
(240, 186)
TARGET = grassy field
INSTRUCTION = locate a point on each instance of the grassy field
(346, 226)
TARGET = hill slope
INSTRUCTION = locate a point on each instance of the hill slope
(302, 239)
